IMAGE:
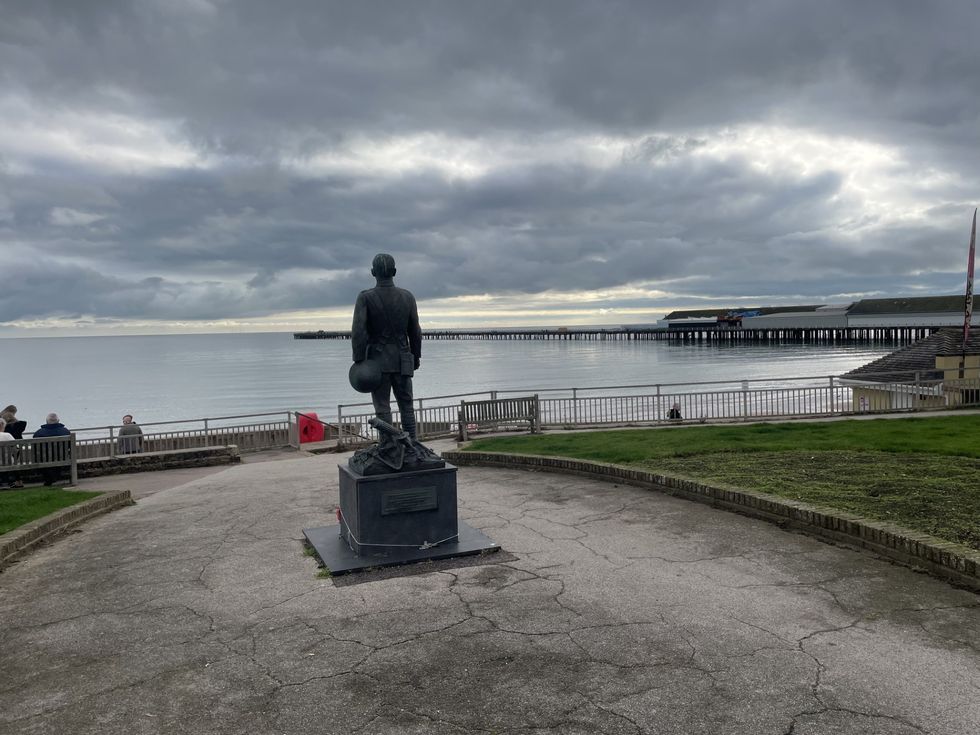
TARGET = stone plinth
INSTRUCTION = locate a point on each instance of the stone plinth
(382, 513)
(398, 518)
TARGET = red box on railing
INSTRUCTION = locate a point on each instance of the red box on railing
(310, 428)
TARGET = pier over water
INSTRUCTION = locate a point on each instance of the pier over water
(696, 334)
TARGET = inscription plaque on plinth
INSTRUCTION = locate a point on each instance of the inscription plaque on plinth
(406, 500)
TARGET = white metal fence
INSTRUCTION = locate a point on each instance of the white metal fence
(705, 402)
(249, 432)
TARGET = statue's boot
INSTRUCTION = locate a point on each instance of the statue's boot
(408, 424)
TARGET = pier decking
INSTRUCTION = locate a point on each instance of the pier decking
(802, 335)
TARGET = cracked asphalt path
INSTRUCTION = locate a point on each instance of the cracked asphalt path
(620, 611)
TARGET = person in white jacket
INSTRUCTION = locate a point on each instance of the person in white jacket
(5, 476)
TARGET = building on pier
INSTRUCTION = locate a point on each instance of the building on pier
(922, 311)
(730, 318)
(833, 316)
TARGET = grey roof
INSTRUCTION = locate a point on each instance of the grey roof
(905, 305)
(763, 311)
(918, 357)
(909, 305)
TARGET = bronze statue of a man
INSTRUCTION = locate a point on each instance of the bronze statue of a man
(386, 330)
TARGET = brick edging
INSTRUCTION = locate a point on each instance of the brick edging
(954, 562)
(24, 539)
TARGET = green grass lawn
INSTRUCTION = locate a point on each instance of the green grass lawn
(920, 473)
(18, 507)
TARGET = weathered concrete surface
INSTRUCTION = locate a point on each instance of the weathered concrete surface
(47, 529)
(625, 611)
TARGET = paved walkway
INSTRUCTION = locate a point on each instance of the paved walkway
(612, 609)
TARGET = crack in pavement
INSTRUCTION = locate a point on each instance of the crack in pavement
(815, 686)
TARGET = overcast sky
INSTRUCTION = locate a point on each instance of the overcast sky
(179, 165)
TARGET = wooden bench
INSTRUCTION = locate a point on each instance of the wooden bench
(31, 456)
(493, 414)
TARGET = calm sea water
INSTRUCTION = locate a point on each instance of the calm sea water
(93, 381)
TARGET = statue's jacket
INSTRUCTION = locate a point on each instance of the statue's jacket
(386, 328)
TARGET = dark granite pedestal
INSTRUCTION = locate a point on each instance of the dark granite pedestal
(398, 518)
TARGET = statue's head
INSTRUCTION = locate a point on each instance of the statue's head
(383, 266)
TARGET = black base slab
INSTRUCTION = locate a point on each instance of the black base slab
(338, 557)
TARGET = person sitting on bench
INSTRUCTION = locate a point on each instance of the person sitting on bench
(52, 427)
(5, 477)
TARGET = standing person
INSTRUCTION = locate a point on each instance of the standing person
(130, 436)
(52, 427)
(386, 330)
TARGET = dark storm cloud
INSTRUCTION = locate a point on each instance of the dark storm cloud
(199, 160)
(238, 71)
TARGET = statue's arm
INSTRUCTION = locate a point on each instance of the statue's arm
(415, 333)
(358, 329)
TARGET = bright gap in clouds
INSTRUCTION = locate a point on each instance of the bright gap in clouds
(880, 183)
(883, 185)
(104, 142)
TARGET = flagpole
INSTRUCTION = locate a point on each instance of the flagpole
(968, 303)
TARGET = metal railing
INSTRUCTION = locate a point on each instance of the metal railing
(568, 408)
(260, 431)
(249, 432)
(704, 402)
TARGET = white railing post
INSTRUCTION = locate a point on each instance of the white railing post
(207, 434)
(292, 421)
(74, 459)
(340, 427)
(833, 398)
(915, 396)
(574, 406)
(112, 443)
(745, 400)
